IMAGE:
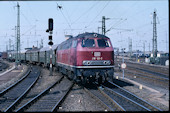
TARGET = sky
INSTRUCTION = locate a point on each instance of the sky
(126, 20)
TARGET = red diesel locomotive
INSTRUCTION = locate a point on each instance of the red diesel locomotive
(88, 57)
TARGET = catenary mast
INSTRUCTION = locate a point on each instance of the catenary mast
(18, 36)
(154, 40)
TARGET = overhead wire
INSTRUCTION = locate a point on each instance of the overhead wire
(88, 10)
(31, 11)
(64, 16)
(25, 17)
(97, 15)
(68, 16)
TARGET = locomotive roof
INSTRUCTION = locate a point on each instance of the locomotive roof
(86, 35)
(91, 35)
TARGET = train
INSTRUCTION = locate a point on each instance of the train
(85, 58)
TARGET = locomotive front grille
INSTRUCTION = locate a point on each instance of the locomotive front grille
(96, 62)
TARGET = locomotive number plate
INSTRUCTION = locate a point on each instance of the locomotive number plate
(97, 58)
(97, 54)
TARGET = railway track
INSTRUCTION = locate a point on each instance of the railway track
(148, 72)
(115, 98)
(107, 103)
(146, 75)
(49, 99)
(127, 100)
(161, 75)
(157, 70)
(3, 66)
(12, 95)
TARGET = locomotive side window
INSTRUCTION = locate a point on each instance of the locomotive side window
(74, 45)
(103, 43)
(88, 43)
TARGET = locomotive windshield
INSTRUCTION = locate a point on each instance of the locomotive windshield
(103, 43)
(88, 43)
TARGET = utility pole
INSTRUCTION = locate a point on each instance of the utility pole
(98, 29)
(144, 47)
(149, 47)
(36, 33)
(154, 40)
(130, 47)
(15, 45)
(18, 37)
(41, 45)
(166, 42)
(6, 46)
(103, 25)
(9, 44)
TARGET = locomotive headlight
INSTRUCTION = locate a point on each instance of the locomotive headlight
(86, 62)
(106, 62)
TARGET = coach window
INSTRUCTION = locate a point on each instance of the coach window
(103, 43)
(88, 43)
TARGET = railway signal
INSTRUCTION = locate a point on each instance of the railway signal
(50, 37)
(50, 24)
(50, 30)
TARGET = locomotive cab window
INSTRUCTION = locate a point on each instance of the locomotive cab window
(74, 45)
(103, 43)
(88, 43)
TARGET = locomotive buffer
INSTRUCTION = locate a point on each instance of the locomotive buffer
(50, 30)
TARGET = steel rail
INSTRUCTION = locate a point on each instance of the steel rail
(62, 99)
(26, 105)
(90, 93)
(107, 106)
(13, 85)
(144, 103)
(46, 95)
(127, 99)
(25, 88)
(3, 66)
(152, 69)
(147, 76)
(120, 108)
(158, 75)
(12, 106)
